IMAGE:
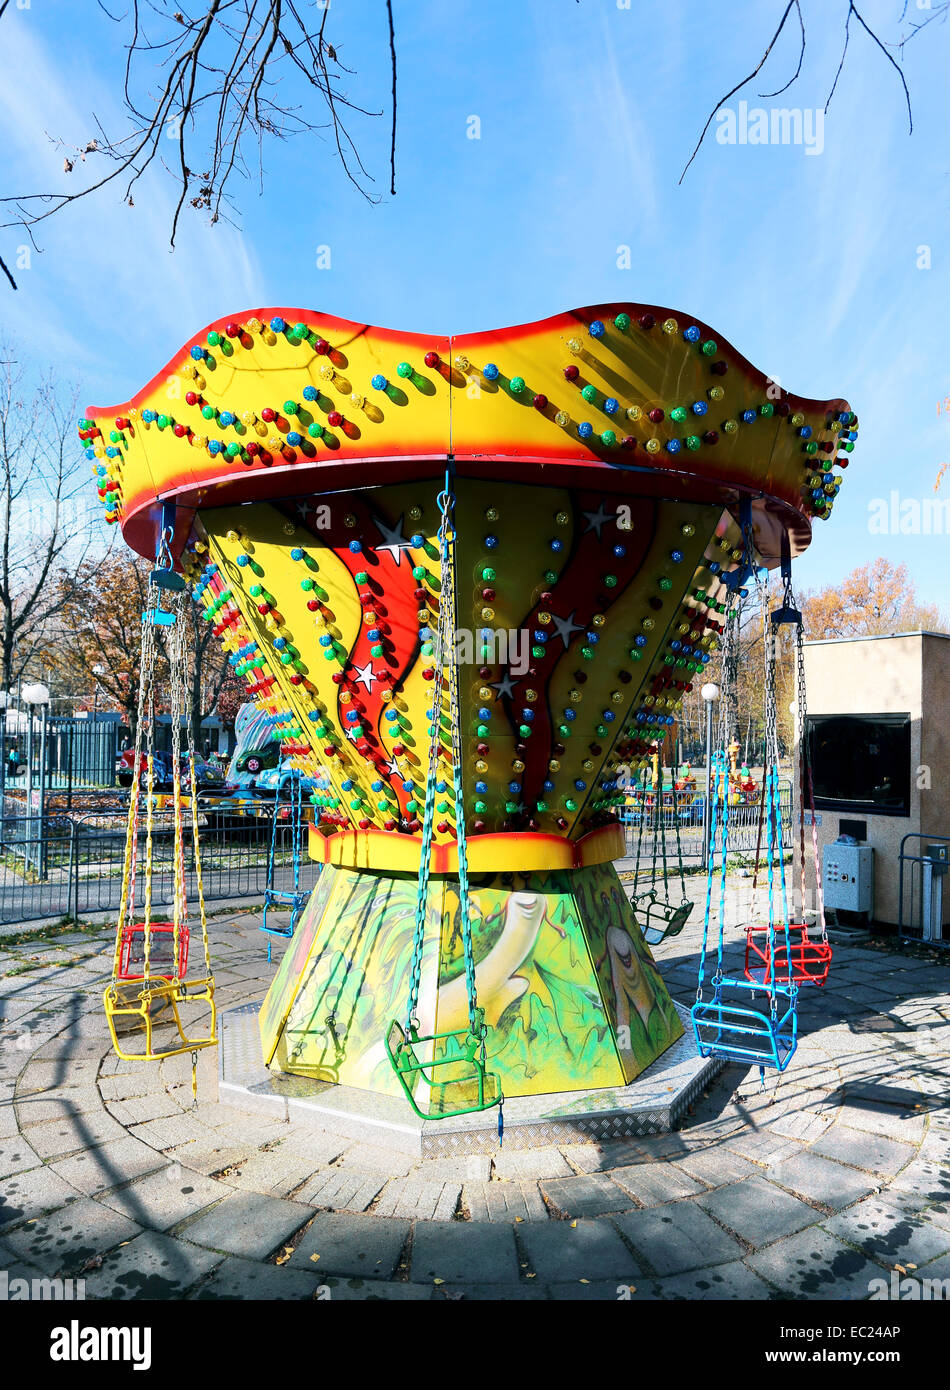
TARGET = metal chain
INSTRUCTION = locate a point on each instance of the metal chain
(435, 718)
(465, 907)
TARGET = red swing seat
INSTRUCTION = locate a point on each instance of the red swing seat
(161, 951)
(810, 957)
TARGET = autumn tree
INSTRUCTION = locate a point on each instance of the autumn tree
(100, 638)
(43, 514)
(874, 600)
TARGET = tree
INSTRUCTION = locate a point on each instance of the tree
(849, 12)
(217, 78)
(100, 639)
(40, 479)
(100, 628)
(873, 600)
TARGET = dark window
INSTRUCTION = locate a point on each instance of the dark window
(861, 762)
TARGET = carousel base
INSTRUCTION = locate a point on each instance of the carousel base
(652, 1104)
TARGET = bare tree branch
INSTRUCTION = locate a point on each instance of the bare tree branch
(220, 70)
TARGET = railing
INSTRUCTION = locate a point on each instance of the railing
(68, 866)
(684, 809)
(914, 891)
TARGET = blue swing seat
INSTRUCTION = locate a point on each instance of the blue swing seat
(278, 897)
(729, 1029)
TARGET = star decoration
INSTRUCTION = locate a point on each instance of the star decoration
(365, 675)
(566, 627)
(395, 542)
(595, 520)
(503, 687)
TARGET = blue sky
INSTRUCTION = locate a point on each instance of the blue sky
(588, 111)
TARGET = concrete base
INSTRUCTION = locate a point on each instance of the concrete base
(652, 1104)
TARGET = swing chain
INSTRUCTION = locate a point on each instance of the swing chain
(435, 719)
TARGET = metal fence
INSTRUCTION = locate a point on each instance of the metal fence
(683, 811)
(63, 865)
(56, 754)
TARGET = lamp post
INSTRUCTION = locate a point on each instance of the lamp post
(35, 693)
(710, 694)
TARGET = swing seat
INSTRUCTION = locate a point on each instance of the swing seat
(276, 897)
(662, 920)
(729, 1029)
(161, 951)
(467, 1089)
(810, 957)
(145, 1004)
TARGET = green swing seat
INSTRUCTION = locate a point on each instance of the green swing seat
(464, 1085)
(658, 917)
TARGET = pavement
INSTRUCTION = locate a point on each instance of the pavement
(832, 1177)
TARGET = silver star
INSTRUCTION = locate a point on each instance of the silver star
(353, 733)
(595, 520)
(503, 687)
(365, 675)
(566, 627)
(395, 542)
(393, 769)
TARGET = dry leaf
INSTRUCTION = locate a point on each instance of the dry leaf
(316, 1257)
(284, 1255)
(438, 1281)
(583, 1281)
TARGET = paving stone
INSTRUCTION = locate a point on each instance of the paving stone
(171, 1132)
(152, 1266)
(351, 1245)
(237, 1278)
(16, 1156)
(427, 1201)
(677, 1237)
(166, 1197)
(564, 1251)
(880, 1120)
(504, 1201)
(460, 1251)
(156, 1105)
(763, 1147)
(758, 1211)
(65, 1136)
(590, 1195)
(531, 1164)
(338, 1190)
(109, 1165)
(63, 1104)
(654, 1184)
(733, 1281)
(888, 1231)
(813, 1264)
(631, 1290)
(62, 1242)
(803, 1127)
(248, 1224)
(870, 1152)
(30, 1194)
(822, 1180)
(717, 1166)
(470, 1168)
(273, 1172)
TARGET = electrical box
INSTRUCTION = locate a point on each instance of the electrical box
(847, 876)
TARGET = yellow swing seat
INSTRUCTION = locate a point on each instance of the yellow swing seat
(131, 1006)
